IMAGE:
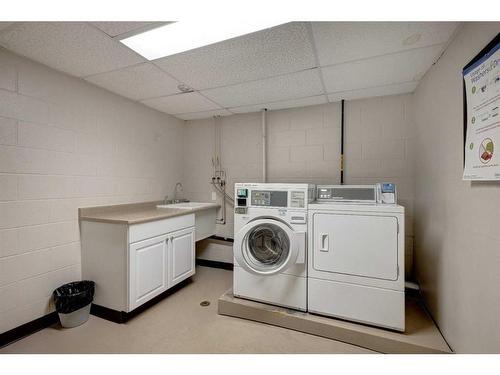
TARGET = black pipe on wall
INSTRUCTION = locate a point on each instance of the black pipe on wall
(342, 144)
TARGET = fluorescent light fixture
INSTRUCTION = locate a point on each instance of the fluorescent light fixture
(186, 35)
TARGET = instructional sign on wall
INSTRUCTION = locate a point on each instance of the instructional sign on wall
(482, 115)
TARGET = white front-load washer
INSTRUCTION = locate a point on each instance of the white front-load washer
(356, 262)
(270, 225)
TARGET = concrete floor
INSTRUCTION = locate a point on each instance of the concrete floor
(178, 324)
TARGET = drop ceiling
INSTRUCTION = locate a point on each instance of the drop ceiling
(291, 65)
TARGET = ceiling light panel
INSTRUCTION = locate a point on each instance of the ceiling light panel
(380, 71)
(181, 103)
(279, 50)
(338, 42)
(285, 87)
(137, 82)
(400, 88)
(76, 48)
(293, 103)
(186, 35)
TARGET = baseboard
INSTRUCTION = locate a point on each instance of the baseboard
(27, 329)
(36, 325)
(214, 264)
(108, 314)
(219, 238)
(122, 316)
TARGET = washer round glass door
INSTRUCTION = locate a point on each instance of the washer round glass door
(265, 247)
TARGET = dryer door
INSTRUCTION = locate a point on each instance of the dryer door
(268, 247)
(363, 245)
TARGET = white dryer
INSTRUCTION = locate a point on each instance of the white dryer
(356, 257)
(270, 224)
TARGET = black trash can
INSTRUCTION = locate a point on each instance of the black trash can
(73, 301)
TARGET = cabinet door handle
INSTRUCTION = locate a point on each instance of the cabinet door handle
(324, 245)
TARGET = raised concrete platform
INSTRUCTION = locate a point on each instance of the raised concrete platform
(421, 336)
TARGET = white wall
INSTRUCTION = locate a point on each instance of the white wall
(66, 144)
(456, 222)
(379, 147)
(304, 146)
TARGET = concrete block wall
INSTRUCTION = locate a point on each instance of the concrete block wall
(66, 144)
(379, 147)
(303, 145)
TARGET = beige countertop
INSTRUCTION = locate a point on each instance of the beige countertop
(135, 213)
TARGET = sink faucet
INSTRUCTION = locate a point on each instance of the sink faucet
(178, 187)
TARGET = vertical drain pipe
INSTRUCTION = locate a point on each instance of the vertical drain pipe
(264, 145)
(342, 143)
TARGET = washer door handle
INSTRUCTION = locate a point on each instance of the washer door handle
(300, 239)
(324, 242)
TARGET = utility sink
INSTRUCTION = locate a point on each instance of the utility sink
(188, 205)
(205, 215)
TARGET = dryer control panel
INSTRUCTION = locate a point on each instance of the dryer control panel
(382, 193)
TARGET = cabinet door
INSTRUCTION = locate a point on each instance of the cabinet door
(182, 255)
(148, 272)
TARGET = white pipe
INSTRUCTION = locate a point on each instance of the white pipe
(264, 146)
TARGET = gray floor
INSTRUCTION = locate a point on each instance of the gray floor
(178, 324)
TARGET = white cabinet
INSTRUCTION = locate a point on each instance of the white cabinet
(182, 255)
(148, 270)
(159, 263)
(131, 264)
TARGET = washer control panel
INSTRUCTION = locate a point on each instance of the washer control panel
(269, 198)
(297, 199)
(273, 195)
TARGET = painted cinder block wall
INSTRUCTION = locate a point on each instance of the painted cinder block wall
(379, 147)
(303, 145)
(66, 144)
(457, 223)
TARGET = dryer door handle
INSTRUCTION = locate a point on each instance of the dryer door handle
(324, 243)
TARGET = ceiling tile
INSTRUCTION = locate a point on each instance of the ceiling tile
(338, 42)
(118, 28)
(202, 115)
(400, 88)
(4, 25)
(72, 47)
(285, 87)
(380, 71)
(283, 49)
(302, 102)
(137, 82)
(181, 103)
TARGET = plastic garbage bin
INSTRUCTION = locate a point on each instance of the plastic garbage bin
(73, 301)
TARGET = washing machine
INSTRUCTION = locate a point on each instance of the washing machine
(356, 255)
(270, 226)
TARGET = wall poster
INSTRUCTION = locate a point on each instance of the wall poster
(482, 115)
